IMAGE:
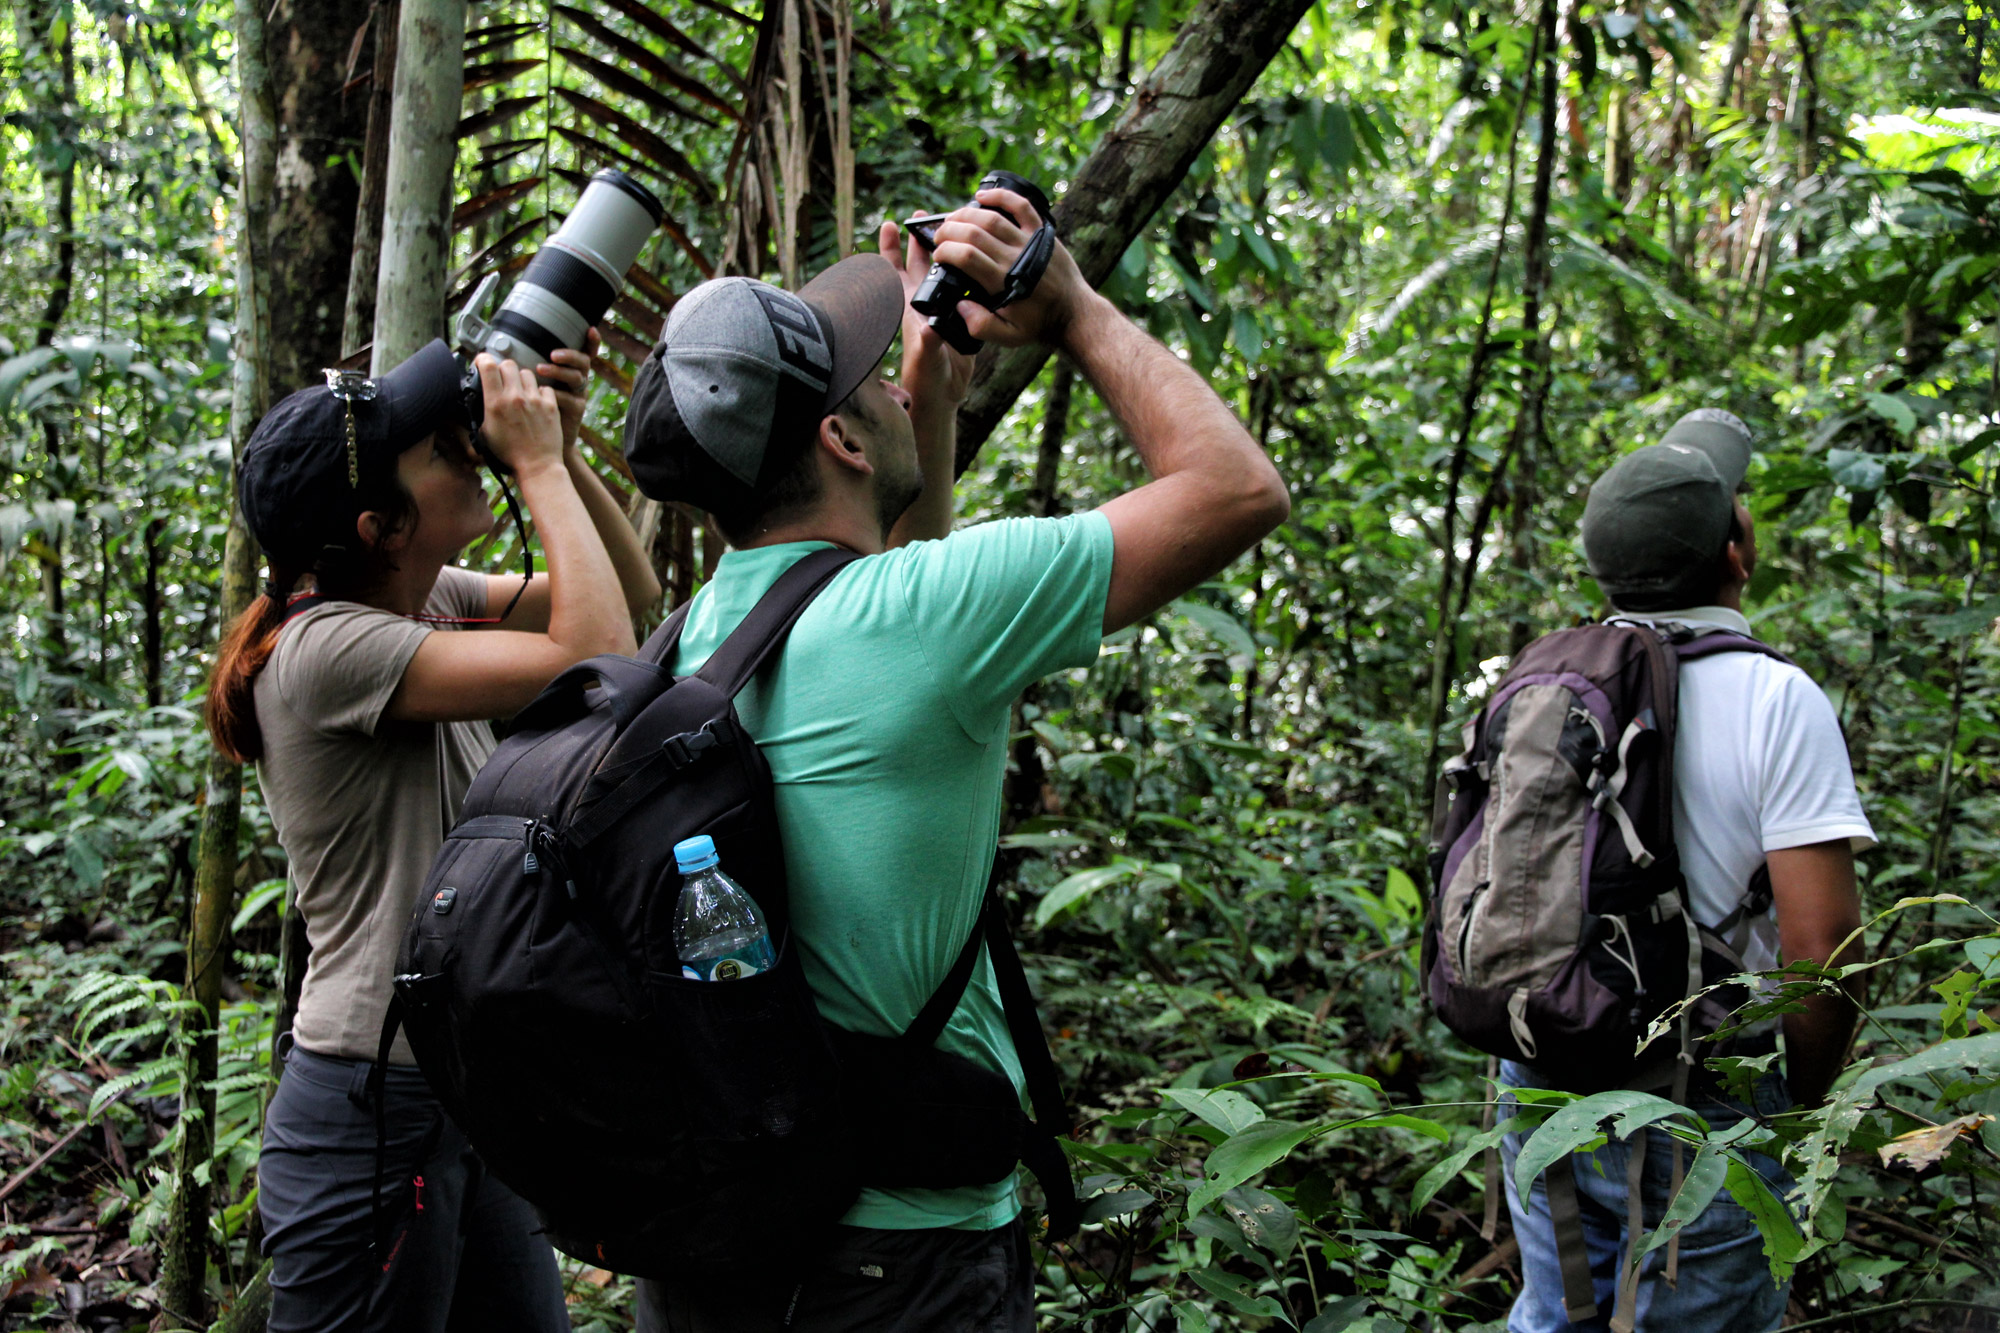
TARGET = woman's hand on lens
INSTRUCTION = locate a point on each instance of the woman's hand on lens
(569, 375)
(523, 420)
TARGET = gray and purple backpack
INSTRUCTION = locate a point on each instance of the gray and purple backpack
(1559, 926)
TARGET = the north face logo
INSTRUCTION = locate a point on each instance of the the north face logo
(800, 344)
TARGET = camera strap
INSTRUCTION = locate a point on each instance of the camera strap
(1026, 274)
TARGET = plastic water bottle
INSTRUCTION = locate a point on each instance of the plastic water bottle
(718, 930)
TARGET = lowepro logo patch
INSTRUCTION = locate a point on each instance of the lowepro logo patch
(801, 346)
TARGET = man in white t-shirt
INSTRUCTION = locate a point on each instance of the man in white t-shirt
(1762, 792)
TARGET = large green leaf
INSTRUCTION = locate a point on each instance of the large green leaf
(1705, 1175)
(1579, 1124)
(1439, 1175)
(1079, 886)
(1237, 1292)
(1230, 1112)
(1244, 1155)
(1783, 1245)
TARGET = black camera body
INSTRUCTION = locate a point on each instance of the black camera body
(945, 286)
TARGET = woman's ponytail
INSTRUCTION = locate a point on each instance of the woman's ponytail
(231, 709)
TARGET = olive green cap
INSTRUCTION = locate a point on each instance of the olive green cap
(1719, 434)
(1654, 526)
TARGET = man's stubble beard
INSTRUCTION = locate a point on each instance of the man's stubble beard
(895, 494)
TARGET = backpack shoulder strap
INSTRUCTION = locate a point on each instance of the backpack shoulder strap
(661, 644)
(1711, 642)
(1041, 1149)
(928, 1025)
(753, 642)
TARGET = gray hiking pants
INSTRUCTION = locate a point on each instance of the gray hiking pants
(936, 1281)
(460, 1250)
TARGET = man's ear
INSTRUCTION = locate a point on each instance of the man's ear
(1736, 561)
(843, 446)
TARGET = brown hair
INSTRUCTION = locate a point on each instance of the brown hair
(347, 573)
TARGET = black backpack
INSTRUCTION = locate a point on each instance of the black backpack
(659, 1124)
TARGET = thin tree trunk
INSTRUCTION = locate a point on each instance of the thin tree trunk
(1534, 287)
(35, 26)
(1739, 48)
(1042, 496)
(320, 132)
(1220, 51)
(150, 611)
(184, 1249)
(358, 325)
(416, 204)
(1444, 644)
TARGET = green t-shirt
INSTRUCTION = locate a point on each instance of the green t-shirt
(885, 724)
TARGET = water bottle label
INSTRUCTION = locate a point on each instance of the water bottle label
(729, 967)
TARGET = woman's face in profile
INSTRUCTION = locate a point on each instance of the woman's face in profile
(441, 474)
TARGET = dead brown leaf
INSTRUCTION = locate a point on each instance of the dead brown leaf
(1925, 1147)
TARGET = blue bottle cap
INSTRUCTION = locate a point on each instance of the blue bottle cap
(696, 853)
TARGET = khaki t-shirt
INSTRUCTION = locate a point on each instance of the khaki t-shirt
(361, 802)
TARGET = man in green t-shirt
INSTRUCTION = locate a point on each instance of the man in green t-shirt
(885, 719)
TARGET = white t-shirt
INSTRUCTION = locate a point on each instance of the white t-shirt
(1759, 766)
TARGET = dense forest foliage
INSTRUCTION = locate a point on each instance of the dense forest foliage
(1447, 260)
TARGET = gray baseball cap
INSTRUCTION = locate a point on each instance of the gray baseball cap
(744, 371)
(1654, 526)
(1719, 434)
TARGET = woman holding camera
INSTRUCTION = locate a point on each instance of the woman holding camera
(361, 683)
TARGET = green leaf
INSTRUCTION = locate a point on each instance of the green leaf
(1957, 990)
(1230, 1112)
(1191, 1317)
(1894, 411)
(15, 370)
(1339, 1316)
(1577, 1125)
(1428, 1128)
(1981, 1053)
(1265, 1219)
(255, 901)
(1116, 1204)
(1238, 1292)
(1699, 1186)
(1984, 954)
(1401, 897)
(1077, 887)
(1966, 620)
(1244, 1155)
(1856, 470)
(1221, 626)
(1336, 137)
(1782, 1242)
(1438, 1176)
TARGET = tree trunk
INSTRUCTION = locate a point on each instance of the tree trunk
(416, 202)
(362, 270)
(313, 205)
(184, 1249)
(150, 611)
(1531, 428)
(1444, 642)
(1043, 499)
(1221, 49)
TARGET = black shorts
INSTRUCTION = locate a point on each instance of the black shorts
(935, 1281)
(459, 1252)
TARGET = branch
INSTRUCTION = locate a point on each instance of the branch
(1221, 49)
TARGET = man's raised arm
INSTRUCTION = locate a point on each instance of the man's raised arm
(1214, 494)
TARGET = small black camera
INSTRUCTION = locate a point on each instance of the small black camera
(944, 286)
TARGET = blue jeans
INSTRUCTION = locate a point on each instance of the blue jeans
(1725, 1284)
